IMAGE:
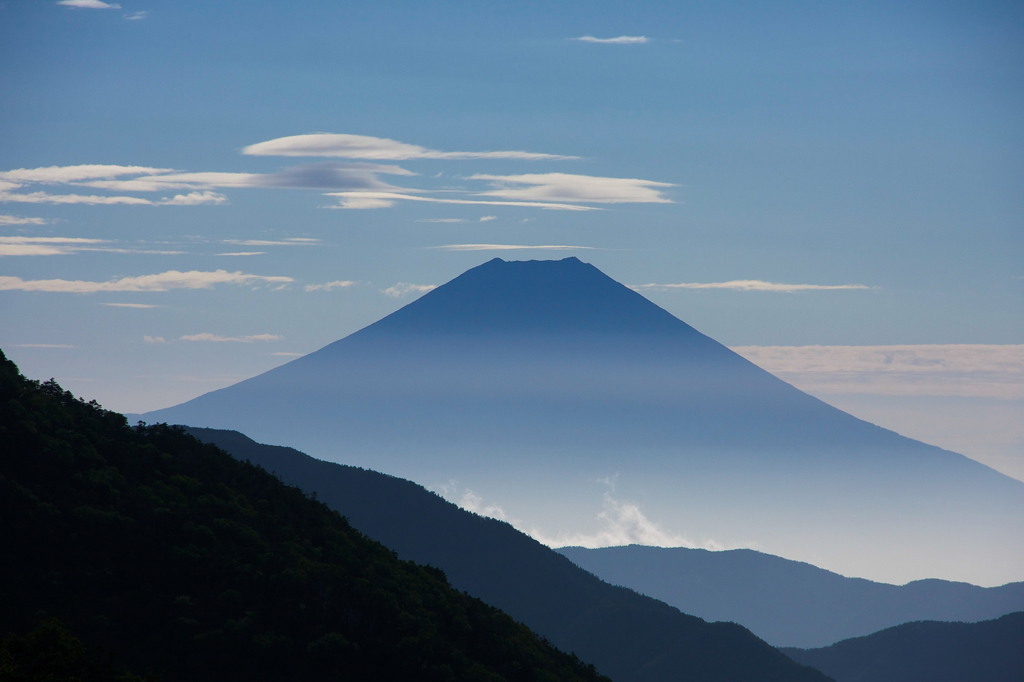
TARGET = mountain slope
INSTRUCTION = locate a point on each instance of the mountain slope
(628, 637)
(990, 651)
(788, 603)
(529, 382)
(194, 566)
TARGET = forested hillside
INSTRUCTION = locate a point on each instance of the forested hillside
(190, 565)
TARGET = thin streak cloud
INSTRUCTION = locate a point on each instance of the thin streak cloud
(206, 336)
(376, 148)
(364, 200)
(620, 40)
(575, 188)
(329, 286)
(508, 247)
(404, 289)
(748, 285)
(88, 4)
(19, 220)
(42, 345)
(164, 281)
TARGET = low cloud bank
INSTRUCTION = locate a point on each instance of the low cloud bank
(967, 370)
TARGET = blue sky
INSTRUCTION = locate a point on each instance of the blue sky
(870, 145)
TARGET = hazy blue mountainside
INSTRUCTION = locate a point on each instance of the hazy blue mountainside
(990, 651)
(190, 565)
(528, 382)
(628, 636)
(788, 603)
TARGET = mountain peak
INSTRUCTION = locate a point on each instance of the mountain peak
(530, 297)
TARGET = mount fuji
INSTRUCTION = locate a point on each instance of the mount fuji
(548, 394)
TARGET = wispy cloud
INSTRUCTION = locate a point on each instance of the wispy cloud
(88, 4)
(328, 286)
(193, 199)
(198, 186)
(56, 246)
(88, 199)
(216, 338)
(970, 370)
(290, 241)
(132, 305)
(620, 40)
(242, 253)
(749, 285)
(622, 523)
(404, 289)
(80, 173)
(355, 185)
(19, 220)
(164, 281)
(574, 188)
(376, 148)
(481, 219)
(42, 345)
(42, 246)
(388, 199)
(508, 247)
(154, 339)
(136, 16)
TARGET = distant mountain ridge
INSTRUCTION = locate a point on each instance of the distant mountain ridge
(788, 603)
(528, 382)
(627, 636)
(927, 651)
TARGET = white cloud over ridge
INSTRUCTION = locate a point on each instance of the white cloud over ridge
(620, 40)
(216, 338)
(164, 281)
(622, 523)
(375, 148)
(574, 188)
(404, 289)
(749, 285)
(965, 370)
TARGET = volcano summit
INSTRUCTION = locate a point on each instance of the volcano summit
(585, 414)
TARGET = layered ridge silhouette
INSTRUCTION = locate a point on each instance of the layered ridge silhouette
(788, 603)
(927, 651)
(629, 637)
(525, 383)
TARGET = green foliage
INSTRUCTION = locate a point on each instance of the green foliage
(192, 565)
(50, 653)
